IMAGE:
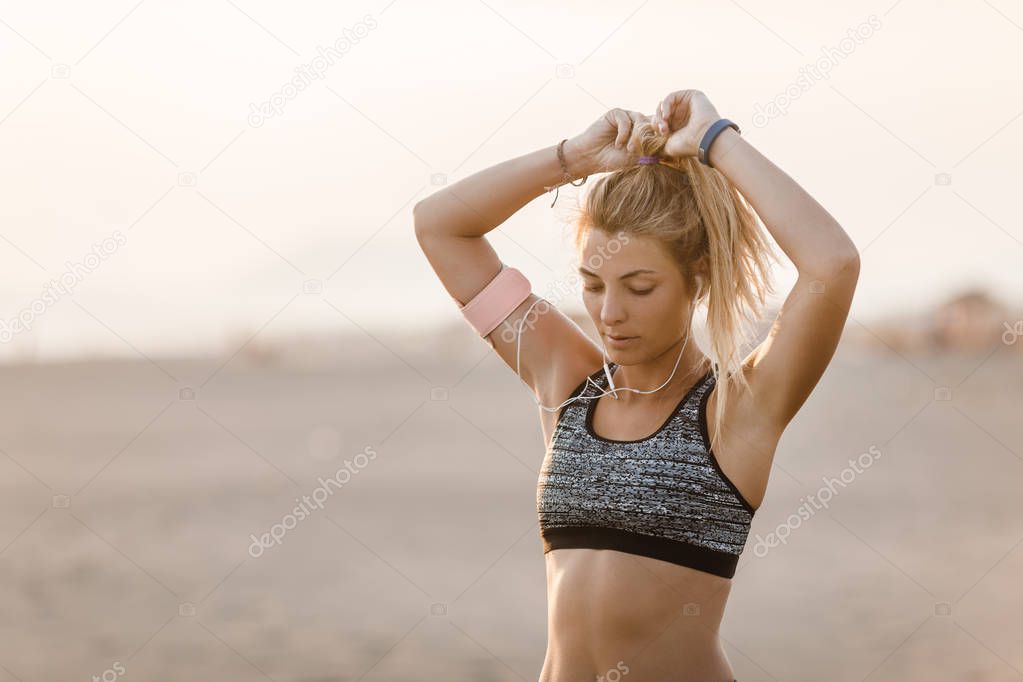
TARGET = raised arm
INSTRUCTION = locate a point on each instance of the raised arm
(451, 225)
(787, 365)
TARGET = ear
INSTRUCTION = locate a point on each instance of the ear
(701, 277)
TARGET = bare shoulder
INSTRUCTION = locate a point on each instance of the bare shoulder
(549, 350)
(555, 356)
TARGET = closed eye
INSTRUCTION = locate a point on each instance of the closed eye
(644, 292)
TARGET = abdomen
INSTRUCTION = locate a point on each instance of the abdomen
(609, 611)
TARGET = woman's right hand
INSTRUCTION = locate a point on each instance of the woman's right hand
(606, 145)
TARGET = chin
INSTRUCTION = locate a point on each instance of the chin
(622, 355)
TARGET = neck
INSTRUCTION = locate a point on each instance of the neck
(648, 375)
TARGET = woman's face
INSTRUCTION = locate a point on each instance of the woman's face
(633, 288)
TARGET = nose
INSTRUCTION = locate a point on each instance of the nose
(612, 312)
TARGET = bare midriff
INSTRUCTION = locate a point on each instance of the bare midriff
(616, 616)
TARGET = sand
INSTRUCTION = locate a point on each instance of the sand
(129, 508)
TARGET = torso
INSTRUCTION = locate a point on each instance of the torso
(654, 620)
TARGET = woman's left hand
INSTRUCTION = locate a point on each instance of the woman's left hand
(684, 115)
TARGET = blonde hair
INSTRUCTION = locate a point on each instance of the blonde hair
(709, 230)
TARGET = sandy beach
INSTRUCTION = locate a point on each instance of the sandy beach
(374, 519)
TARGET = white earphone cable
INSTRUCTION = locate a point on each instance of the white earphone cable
(607, 372)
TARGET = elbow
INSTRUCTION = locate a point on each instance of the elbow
(418, 215)
(841, 266)
(843, 255)
(842, 260)
(845, 259)
(849, 260)
(846, 255)
(417, 208)
(420, 220)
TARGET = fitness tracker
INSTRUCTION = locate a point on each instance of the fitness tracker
(710, 135)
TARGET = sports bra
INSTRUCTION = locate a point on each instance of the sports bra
(663, 496)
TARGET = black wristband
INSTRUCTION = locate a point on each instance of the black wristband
(710, 135)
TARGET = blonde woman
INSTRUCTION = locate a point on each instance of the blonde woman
(658, 453)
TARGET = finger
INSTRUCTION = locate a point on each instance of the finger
(666, 109)
(673, 98)
(663, 112)
(661, 125)
(635, 118)
(616, 117)
(624, 128)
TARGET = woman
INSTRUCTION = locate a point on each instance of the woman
(651, 476)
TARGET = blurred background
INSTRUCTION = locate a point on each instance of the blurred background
(246, 435)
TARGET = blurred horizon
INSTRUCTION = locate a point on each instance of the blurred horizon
(969, 321)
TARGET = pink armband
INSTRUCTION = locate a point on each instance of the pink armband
(497, 300)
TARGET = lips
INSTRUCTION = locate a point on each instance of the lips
(620, 342)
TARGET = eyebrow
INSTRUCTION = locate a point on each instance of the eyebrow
(641, 271)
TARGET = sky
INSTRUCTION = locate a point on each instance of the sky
(168, 187)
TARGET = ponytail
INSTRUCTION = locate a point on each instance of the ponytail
(712, 233)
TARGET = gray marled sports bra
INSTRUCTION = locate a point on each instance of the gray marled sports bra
(663, 496)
